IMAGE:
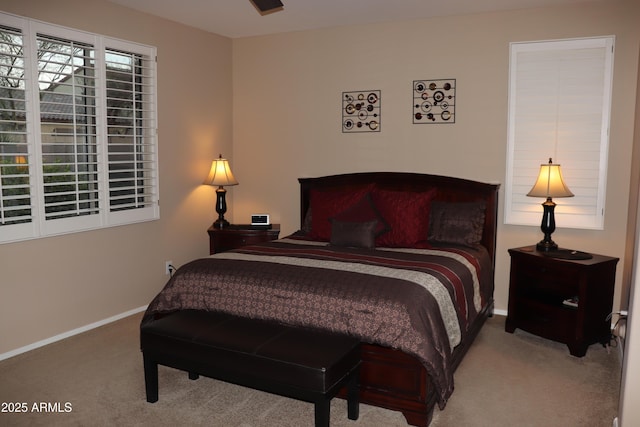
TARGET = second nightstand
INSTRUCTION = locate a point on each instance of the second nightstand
(540, 292)
(235, 236)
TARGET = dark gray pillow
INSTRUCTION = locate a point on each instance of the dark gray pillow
(354, 234)
(458, 223)
(364, 211)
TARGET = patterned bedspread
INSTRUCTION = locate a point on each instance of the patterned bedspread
(420, 301)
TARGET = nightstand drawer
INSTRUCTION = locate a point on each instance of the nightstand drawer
(236, 236)
(232, 241)
(549, 273)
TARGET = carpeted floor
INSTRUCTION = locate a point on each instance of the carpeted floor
(505, 380)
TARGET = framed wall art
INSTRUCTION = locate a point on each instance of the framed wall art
(434, 101)
(361, 111)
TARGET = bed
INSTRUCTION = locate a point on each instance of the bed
(403, 261)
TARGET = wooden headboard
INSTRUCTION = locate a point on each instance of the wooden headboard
(449, 189)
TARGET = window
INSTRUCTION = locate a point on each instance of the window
(559, 104)
(78, 145)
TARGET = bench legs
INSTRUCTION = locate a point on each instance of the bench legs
(322, 412)
(151, 379)
(322, 405)
(353, 395)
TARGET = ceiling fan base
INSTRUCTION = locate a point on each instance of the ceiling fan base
(267, 5)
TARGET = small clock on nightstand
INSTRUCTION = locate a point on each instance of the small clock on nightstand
(235, 236)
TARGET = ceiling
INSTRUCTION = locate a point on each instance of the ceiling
(239, 18)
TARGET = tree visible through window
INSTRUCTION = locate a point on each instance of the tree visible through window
(15, 205)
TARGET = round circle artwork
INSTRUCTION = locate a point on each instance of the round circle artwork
(361, 111)
(430, 94)
(347, 124)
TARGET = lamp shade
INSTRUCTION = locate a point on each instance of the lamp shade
(550, 182)
(220, 173)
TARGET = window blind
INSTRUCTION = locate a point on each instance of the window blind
(67, 94)
(15, 180)
(78, 143)
(559, 107)
(130, 131)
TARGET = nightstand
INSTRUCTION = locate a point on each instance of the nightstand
(540, 288)
(235, 236)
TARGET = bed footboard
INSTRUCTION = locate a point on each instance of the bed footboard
(397, 381)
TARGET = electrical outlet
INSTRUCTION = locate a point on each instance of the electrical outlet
(168, 268)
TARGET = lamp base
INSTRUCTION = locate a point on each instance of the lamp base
(547, 226)
(221, 223)
(221, 208)
(546, 246)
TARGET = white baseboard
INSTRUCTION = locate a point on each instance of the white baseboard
(71, 333)
(500, 312)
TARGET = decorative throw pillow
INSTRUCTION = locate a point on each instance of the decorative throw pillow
(459, 223)
(327, 204)
(363, 211)
(408, 216)
(354, 234)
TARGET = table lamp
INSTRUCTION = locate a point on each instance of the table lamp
(549, 184)
(220, 175)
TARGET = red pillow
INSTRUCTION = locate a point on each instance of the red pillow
(363, 211)
(329, 203)
(408, 215)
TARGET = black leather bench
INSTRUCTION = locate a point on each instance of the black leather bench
(299, 363)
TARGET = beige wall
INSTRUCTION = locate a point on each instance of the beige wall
(54, 285)
(287, 110)
(285, 106)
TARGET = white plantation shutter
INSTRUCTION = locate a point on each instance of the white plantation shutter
(131, 134)
(559, 106)
(78, 145)
(15, 162)
(69, 152)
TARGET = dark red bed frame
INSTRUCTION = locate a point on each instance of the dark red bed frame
(390, 378)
